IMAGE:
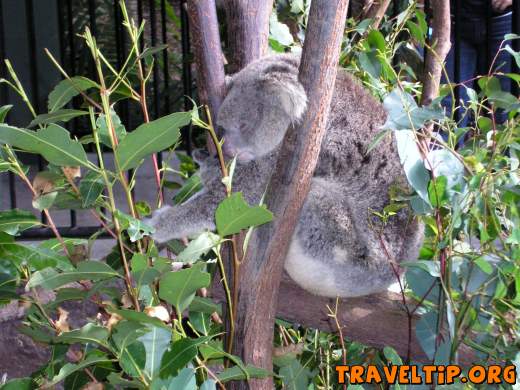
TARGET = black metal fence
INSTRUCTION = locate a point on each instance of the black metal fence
(28, 26)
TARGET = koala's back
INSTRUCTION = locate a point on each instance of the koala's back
(354, 121)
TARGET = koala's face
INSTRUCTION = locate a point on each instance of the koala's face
(262, 100)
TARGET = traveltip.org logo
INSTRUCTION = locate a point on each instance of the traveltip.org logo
(427, 374)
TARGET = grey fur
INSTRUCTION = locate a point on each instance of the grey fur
(339, 247)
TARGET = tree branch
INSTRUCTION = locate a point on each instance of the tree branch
(248, 30)
(262, 269)
(437, 51)
(208, 53)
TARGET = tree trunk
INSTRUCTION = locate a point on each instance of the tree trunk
(439, 47)
(263, 267)
(209, 60)
(248, 30)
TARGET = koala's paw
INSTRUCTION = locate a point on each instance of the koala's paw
(161, 221)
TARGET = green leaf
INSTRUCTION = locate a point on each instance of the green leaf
(376, 40)
(66, 90)
(52, 142)
(44, 201)
(135, 228)
(205, 305)
(412, 162)
(279, 31)
(483, 265)
(437, 191)
(392, 356)
(189, 188)
(405, 114)
(236, 373)
(370, 63)
(139, 317)
(87, 270)
(63, 115)
(295, 376)
(4, 110)
(70, 368)
(178, 288)
(133, 359)
(37, 257)
(426, 332)
(104, 134)
(15, 221)
(90, 188)
(150, 138)
(90, 333)
(234, 214)
(184, 381)
(20, 384)
(155, 342)
(198, 247)
(181, 353)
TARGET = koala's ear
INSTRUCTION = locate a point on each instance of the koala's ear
(286, 85)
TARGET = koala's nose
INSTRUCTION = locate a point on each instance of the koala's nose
(229, 149)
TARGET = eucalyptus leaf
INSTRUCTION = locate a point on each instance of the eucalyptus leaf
(236, 373)
(66, 90)
(90, 188)
(15, 221)
(50, 279)
(179, 355)
(52, 142)
(105, 135)
(70, 368)
(413, 164)
(90, 333)
(63, 115)
(150, 138)
(184, 381)
(233, 214)
(178, 288)
(4, 110)
(156, 341)
(199, 247)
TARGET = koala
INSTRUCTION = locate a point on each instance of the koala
(339, 248)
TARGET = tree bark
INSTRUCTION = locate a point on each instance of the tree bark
(376, 11)
(209, 60)
(439, 47)
(376, 320)
(248, 30)
(262, 269)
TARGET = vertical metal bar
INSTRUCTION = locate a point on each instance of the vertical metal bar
(166, 75)
(35, 93)
(456, 59)
(3, 70)
(155, 83)
(153, 40)
(515, 29)
(186, 72)
(72, 46)
(61, 29)
(3, 100)
(92, 16)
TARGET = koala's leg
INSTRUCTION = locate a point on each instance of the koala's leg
(192, 217)
(332, 253)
